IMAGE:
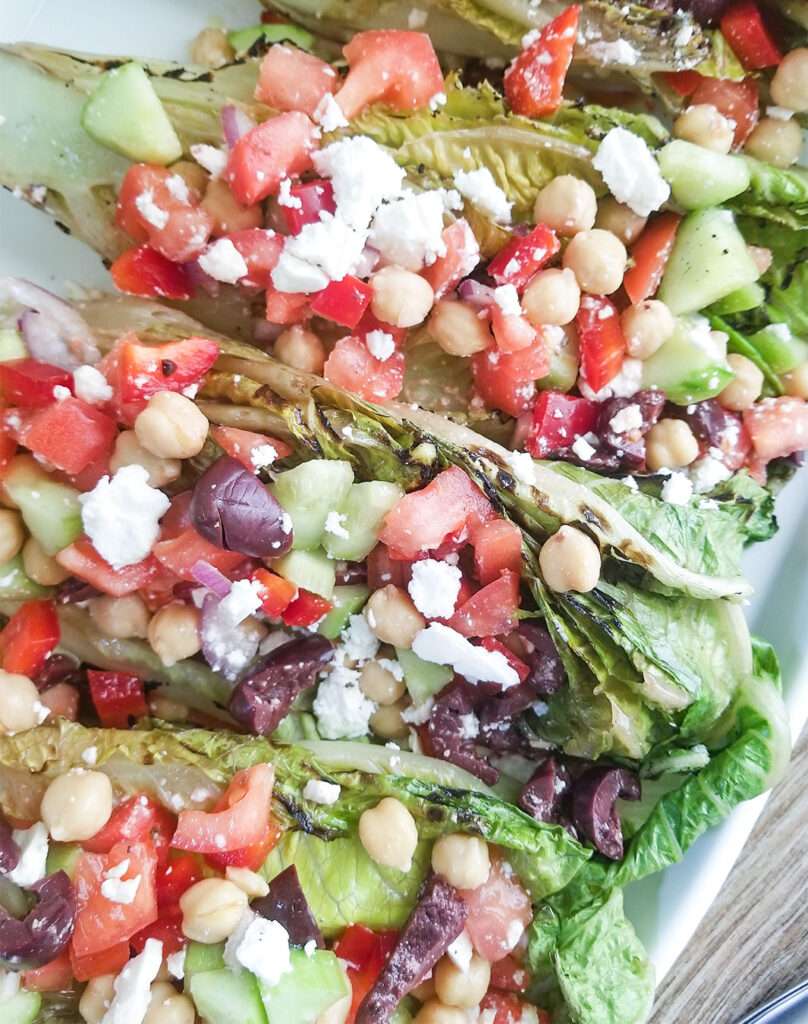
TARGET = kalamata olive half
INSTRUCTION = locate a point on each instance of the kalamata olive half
(233, 510)
(43, 933)
(9, 850)
(593, 806)
(286, 903)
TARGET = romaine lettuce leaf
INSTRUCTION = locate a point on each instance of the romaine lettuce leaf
(776, 194)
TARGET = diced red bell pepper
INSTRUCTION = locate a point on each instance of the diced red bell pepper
(108, 960)
(82, 560)
(490, 643)
(523, 257)
(268, 153)
(364, 953)
(29, 638)
(275, 593)
(31, 381)
(70, 433)
(117, 697)
(167, 929)
(244, 445)
(314, 197)
(534, 80)
(174, 877)
(137, 819)
(602, 345)
(462, 256)
(492, 610)
(649, 255)
(143, 271)
(305, 609)
(145, 369)
(497, 546)
(343, 301)
(291, 79)
(746, 32)
(557, 420)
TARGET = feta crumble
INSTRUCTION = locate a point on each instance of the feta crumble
(285, 197)
(175, 962)
(329, 245)
(460, 951)
(149, 210)
(444, 646)
(333, 525)
(677, 489)
(507, 298)
(33, 844)
(362, 176)
(120, 515)
(358, 640)
(479, 187)
(321, 792)
(133, 986)
(381, 345)
(263, 949)
(434, 588)
(631, 171)
(328, 114)
(408, 230)
(223, 262)
(90, 385)
(342, 710)
(213, 159)
(583, 449)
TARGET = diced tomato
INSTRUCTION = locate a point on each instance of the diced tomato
(117, 696)
(174, 877)
(384, 570)
(600, 336)
(8, 444)
(101, 922)
(496, 909)
(29, 638)
(244, 446)
(558, 419)
(370, 322)
(738, 101)
(352, 366)
(68, 433)
(423, 519)
(513, 332)
(683, 83)
(274, 591)
(137, 819)
(145, 272)
(180, 554)
(518, 261)
(534, 80)
(506, 380)
(649, 255)
(314, 197)
(268, 153)
(145, 369)
(57, 976)
(491, 610)
(291, 79)
(490, 643)
(509, 974)
(243, 821)
(167, 929)
(82, 560)
(497, 546)
(391, 65)
(155, 205)
(87, 478)
(251, 857)
(747, 34)
(305, 609)
(285, 307)
(364, 953)
(62, 701)
(462, 256)
(508, 1009)
(107, 960)
(260, 248)
(343, 301)
(31, 382)
(777, 426)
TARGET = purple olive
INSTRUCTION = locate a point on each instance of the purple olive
(286, 903)
(232, 509)
(543, 794)
(714, 426)
(43, 933)
(262, 699)
(9, 850)
(593, 806)
(706, 12)
(448, 735)
(547, 672)
(629, 445)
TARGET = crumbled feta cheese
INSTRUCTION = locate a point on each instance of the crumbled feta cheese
(9, 984)
(362, 176)
(310, 947)
(626, 419)
(175, 962)
(444, 646)
(408, 230)
(241, 601)
(438, 100)
(223, 262)
(263, 949)
(418, 715)
(677, 489)
(514, 933)
(358, 641)
(522, 465)
(285, 197)
(329, 245)
(471, 726)
(90, 385)
(583, 449)
(631, 483)
(393, 667)
(434, 588)
(684, 35)
(149, 210)
(381, 345)
(625, 385)
(631, 171)
(213, 159)
(460, 951)
(33, 844)
(707, 473)
(263, 455)
(321, 792)
(342, 710)
(333, 525)
(90, 755)
(133, 986)
(120, 515)
(117, 890)
(617, 51)
(479, 187)
(294, 275)
(507, 298)
(781, 331)
(60, 392)
(328, 114)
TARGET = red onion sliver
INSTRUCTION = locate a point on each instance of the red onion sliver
(235, 123)
(67, 335)
(203, 572)
(475, 293)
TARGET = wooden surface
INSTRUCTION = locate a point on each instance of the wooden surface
(753, 943)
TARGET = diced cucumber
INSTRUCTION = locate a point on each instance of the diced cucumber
(689, 367)
(313, 985)
(222, 997)
(564, 363)
(11, 345)
(63, 857)
(364, 509)
(779, 348)
(423, 679)
(347, 602)
(699, 177)
(311, 570)
(242, 39)
(49, 509)
(16, 585)
(22, 1008)
(308, 493)
(709, 260)
(749, 297)
(124, 113)
(201, 957)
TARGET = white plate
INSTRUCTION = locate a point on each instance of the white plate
(666, 909)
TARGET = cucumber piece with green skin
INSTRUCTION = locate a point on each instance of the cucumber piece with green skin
(49, 509)
(701, 178)
(423, 679)
(22, 1008)
(779, 348)
(749, 297)
(201, 957)
(242, 39)
(124, 113)
(709, 260)
(313, 985)
(63, 857)
(361, 516)
(16, 585)
(311, 570)
(689, 367)
(308, 493)
(222, 997)
(564, 364)
(347, 601)
(11, 345)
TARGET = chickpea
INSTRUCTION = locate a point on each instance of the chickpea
(19, 703)
(130, 452)
(400, 297)
(168, 1006)
(789, 87)
(761, 257)
(425, 990)
(456, 987)
(76, 805)
(171, 426)
(621, 220)
(434, 1012)
(388, 834)
(253, 884)
(570, 560)
(704, 125)
(387, 722)
(96, 997)
(392, 616)
(300, 349)
(777, 142)
(380, 685)
(797, 381)
(12, 534)
(227, 212)
(120, 617)
(670, 444)
(567, 205)
(646, 327)
(598, 260)
(552, 297)
(338, 1012)
(167, 709)
(192, 174)
(211, 49)
(462, 860)
(39, 565)
(173, 633)
(457, 328)
(211, 909)
(744, 389)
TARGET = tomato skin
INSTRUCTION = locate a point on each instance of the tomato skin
(240, 444)
(492, 610)
(506, 380)
(750, 40)
(251, 857)
(143, 271)
(777, 426)
(29, 638)
(305, 609)
(155, 205)
(490, 643)
(683, 83)
(117, 696)
(343, 301)
(31, 381)
(602, 345)
(82, 560)
(495, 908)
(57, 976)
(167, 928)
(179, 554)
(364, 953)
(291, 79)
(508, 1009)
(69, 433)
(509, 974)
(109, 960)
(513, 332)
(268, 153)
(315, 197)
(462, 256)
(650, 254)
(557, 420)
(521, 258)
(260, 249)
(351, 365)
(137, 819)
(534, 80)
(739, 101)
(497, 547)
(243, 820)
(275, 592)
(144, 370)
